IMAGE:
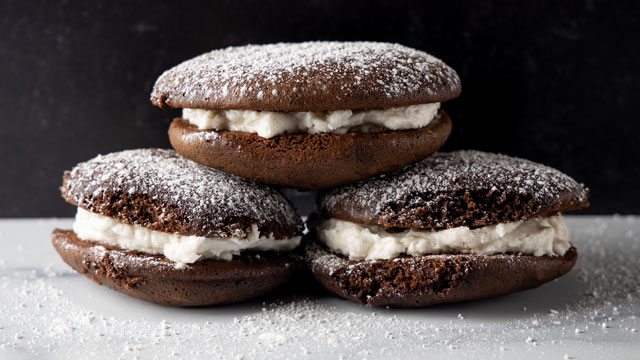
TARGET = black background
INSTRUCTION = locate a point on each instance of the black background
(553, 81)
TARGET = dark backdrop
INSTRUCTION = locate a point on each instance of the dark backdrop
(553, 81)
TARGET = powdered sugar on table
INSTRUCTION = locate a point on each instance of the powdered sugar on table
(49, 311)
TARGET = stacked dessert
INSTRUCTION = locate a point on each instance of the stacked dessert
(162, 228)
(309, 116)
(456, 226)
(398, 224)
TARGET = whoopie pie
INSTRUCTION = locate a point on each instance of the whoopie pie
(453, 227)
(308, 115)
(162, 228)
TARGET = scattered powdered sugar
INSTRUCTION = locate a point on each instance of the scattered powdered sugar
(452, 174)
(170, 181)
(57, 313)
(338, 71)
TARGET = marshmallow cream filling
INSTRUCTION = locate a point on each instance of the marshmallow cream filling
(536, 236)
(182, 249)
(268, 123)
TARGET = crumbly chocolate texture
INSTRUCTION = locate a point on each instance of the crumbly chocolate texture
(461, 188)
(155, 278)
(417, 281)
(308, 161)
(310, 76)
(162, 191)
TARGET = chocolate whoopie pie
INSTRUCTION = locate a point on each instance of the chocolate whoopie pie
(162, 228)
(309, 115)
(453, 227)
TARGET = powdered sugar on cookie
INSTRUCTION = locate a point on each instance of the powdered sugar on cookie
(461, 188)
(287, 76)
(163, 191)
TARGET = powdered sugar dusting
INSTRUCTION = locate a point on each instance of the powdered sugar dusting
(329, 72)
(202, 194)
(424, 184)
(49, 311)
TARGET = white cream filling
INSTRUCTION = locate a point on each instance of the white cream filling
(537, 236)
(178, 248)
(268, 123)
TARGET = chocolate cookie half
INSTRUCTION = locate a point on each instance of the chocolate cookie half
(162, 228)
(453, 227)
(309, 115)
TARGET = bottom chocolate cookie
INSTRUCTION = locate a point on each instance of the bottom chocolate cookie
(308, 161)
(417, 281)
(155, 278)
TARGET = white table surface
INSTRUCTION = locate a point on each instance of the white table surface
(49, 311)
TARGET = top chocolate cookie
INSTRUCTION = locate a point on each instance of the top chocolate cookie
(310, 76)
(163, 191)
(461, 188)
